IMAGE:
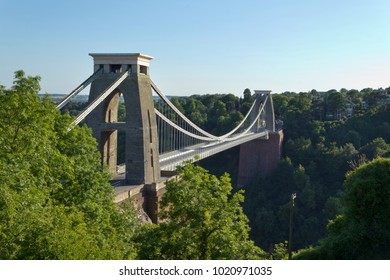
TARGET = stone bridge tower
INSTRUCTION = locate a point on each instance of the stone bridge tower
(260, 157)
(139, 128)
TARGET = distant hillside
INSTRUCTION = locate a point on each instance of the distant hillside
(57, 97)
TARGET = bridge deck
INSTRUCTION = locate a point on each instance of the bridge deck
(171, 160)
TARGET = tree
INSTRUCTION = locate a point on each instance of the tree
(230, 101)
(196, 111)
(356, 98)
(336, 104)
(56, 200)
(352, 136)
(298, 149)
(248, 95)
(377, 148)
(297, 118)
(280, 104)
(375, 98)
(201, 219)
(218, 116)
(247, 101)
(363, 232)
(268, 206)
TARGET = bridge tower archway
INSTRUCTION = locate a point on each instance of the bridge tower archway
(139, 127)
(108, 140)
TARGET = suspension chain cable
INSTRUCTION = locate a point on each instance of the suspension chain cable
(205, 133)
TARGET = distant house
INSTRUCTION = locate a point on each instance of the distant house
(350, 107)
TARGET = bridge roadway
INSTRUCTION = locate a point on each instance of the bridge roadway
(170, 161)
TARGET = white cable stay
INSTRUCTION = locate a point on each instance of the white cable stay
(177, 111)
(244, 133)
(252, 124)
(170, 161)
(168, 121)
(100, 98)
(240, 124)
(77, 90)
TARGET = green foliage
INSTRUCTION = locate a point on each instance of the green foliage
(360, 130)
(375, 98)
(56, 201)
(74, 108)
(201, 219)
(363, 232)
(336, 104)
(267, 205)
(367, 200)
(318, 155)
(280, 252)
(246, 101)
(377, 148)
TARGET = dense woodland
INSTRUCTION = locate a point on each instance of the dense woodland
(327, 134)
(319, 149)
(56, 201)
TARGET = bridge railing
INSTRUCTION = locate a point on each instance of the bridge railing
(176, 131)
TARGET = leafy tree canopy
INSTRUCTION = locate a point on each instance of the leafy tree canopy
(201, 219)
(363, 232)
(56, 201)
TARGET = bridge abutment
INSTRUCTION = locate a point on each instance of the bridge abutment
(145, 196)
(260, 157)
(152, 196)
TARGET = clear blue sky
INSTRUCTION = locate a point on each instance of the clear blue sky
(203, 46)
